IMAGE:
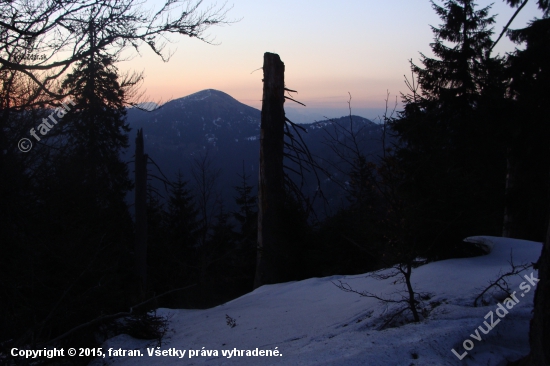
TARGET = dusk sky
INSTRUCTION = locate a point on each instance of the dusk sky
(329, 48)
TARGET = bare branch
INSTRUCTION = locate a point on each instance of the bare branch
(500, 282)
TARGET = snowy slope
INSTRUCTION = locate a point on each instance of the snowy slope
(312, 322)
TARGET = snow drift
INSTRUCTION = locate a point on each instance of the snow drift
(312, 322)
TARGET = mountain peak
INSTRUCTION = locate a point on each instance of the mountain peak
(206, 93)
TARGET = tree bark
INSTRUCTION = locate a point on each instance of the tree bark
(141, 214)
(271, 176)
(539, 334)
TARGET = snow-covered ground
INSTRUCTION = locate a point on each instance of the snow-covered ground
(312, 322)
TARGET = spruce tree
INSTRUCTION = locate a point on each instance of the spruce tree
(96, 130)
(247, 236)
(172, 237)
(451, 152)
(247, 215)
(91, 179)
(530, 152)
(528, 196)
(181, 217)
(459, 73)
(87, 229)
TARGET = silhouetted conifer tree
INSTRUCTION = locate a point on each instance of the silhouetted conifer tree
(530, 158)
(247, 236)
(247, 215)
(86, 227)
(529, 151)
(181, 217)
(172, 251)
(451, 152)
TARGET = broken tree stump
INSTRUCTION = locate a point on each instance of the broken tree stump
(271, 175)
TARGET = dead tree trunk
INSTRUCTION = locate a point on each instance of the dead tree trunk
(271, 176)
(141, 214)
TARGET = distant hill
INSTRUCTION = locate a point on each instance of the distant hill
(213, 122)
(208, 120)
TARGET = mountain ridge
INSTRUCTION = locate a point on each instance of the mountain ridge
(211, 122)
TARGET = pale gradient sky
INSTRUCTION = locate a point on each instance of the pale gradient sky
(329, 48)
